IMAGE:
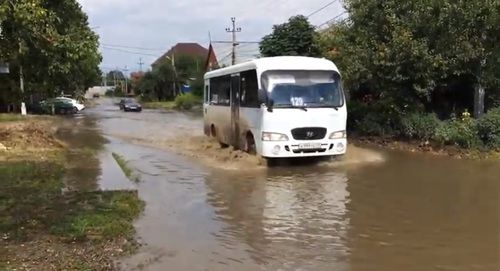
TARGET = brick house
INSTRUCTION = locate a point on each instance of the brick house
(187, 49)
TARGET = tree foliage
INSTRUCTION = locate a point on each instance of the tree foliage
(159, 83)
(53, 43)
(297, 37)
(417, 55)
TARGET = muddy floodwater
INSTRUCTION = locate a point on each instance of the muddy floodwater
(212, 209)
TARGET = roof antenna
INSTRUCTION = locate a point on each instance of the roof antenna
(209, 37)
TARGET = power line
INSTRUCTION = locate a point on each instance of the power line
(225, 57)
(239, 42)
(331, 20)
(130, 47)
(322, 8)
(128, 52)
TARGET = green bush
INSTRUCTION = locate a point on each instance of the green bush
(419, 126)
(186, 101)
(118, 92)
(462, 132)
(369, 120)
(489, 128)
(373, 125)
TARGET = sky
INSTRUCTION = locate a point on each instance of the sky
(145, 29)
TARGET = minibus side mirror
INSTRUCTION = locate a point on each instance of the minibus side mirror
(270, 105)
(262, 95)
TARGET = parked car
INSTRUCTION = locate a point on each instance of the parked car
(75, 103)
(61, 107)
(130, 105)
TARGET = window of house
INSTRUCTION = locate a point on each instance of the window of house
(249, 89)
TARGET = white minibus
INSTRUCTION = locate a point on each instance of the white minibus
(277, 107)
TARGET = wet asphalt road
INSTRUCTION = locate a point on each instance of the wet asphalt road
(411, 212)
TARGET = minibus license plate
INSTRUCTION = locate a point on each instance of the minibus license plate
(310, 146)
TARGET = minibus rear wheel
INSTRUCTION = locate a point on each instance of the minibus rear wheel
(213, 133)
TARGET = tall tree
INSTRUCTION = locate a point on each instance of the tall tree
(421, 54)
(297, 37)
(165, 80)
(52, 41)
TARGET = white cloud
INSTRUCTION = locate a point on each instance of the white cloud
(162, 23)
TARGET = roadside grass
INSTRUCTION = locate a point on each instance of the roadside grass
(120, 160)
(13, 117)
(99, 216)
(32, 203)
(28, 192)
(166, 105)
(184, 102)
(10, 117)
(44, 220)
(123, 165)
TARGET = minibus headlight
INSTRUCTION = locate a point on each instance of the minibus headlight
(338, 135)
(274, 137)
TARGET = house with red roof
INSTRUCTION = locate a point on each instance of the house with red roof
(185, 49)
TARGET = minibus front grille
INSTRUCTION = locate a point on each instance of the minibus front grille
(310, 151)
(309, 133)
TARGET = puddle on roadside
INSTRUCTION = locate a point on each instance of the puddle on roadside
(90, 166)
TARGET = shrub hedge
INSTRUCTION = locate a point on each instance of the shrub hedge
(465, 131)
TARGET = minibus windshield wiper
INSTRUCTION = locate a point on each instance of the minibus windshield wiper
(327, 106)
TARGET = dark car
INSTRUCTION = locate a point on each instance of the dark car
(53, 106)
(123, 102)
(130, 105)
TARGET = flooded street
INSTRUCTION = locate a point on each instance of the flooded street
(373, 211)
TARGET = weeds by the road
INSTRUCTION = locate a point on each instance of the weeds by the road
(168, 105)
(123, 164)
(33, 202)
(120, 160)
(182, 102)
(44, 224)
(10, 117)
(99, 216)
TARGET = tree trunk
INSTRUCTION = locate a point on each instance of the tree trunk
(479, 94)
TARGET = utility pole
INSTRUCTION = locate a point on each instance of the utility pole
(140, 64)
(21, 82)
(233, 31)
(126, 82)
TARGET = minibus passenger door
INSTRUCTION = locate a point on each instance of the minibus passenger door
(235, 110)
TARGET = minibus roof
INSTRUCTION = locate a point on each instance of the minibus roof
(277, 63)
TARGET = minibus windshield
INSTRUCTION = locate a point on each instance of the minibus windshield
(305, 89)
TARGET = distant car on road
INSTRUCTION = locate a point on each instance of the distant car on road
(124, 101)
(128, 104)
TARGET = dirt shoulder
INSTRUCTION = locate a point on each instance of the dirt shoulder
(454, 152)
(43, 225)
